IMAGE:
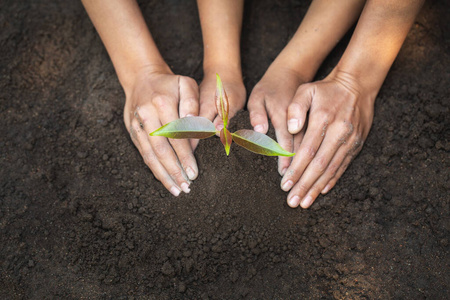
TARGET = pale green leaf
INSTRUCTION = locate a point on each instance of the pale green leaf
(187, 128)
(259, 143)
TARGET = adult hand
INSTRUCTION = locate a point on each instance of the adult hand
(157, 98)
(340, 117)
(271, 97)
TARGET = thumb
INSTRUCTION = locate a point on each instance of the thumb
(258, 113)
(298, 108)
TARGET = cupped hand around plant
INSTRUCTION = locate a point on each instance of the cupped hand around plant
(331, 119)
(270, 98)
(156, 98)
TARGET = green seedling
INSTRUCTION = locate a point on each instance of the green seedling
(201, 128)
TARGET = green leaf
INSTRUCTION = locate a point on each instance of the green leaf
(187, 128)
(221, 101)
(226, 139)
(259, 143)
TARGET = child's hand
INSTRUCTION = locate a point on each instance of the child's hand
(235, 89)
(271, 97)
(339, 120)
(157, 98)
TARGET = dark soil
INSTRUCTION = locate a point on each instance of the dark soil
(81, 216)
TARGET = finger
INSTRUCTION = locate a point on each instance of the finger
(298, 108)
(298, 138)
(356, 148)
(258, 114)
(140, 140)
(306, 152)
(207, 106)
(189, 97)
(330, 149)
(167, 112)
(286, 141)
(332, 182)
(160, 145)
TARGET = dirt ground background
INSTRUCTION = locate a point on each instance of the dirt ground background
(81, 216)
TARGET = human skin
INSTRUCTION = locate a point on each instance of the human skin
(154, 95)
(221, 23)
(330, 119)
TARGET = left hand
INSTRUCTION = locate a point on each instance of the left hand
(340, 117)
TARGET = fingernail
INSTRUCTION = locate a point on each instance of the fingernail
(190, 173)
(283, 172)
(287, 185)
(175, 191)
(259, 128)
(293, 125)
(326, 189)
(219, 127)
(307, 202)
(294, 201)
(185, 187)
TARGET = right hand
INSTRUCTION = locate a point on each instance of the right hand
(271, 97)
(155, 99)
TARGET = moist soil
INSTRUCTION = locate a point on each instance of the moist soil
(81, 216)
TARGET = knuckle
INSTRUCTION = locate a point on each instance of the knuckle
(161, 102)
(160, 150)
(323, 115)
(255, 114)
(303, 88)
(136, 126)
(333, 168)
(315, 191)
(176, 174)
(320, 164)
(190, 81)
(302, 188)
(149, 158)
(308, 151)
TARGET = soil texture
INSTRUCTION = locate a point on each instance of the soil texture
(81, 216)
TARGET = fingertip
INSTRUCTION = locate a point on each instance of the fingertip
(192, 173)
(293, 126)
(175, 191)
(283, 164)
(326, 189)
(218, 122)
(307, 201)
(293, 201)
(261, 128)
(185, 187)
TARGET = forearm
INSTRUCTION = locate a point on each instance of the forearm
(126, 37)
(377, 39)
(323, 26)
(221, 23)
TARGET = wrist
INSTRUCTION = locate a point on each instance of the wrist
(131, 75)
(303, 69)
(354, 83)
(227, 71)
